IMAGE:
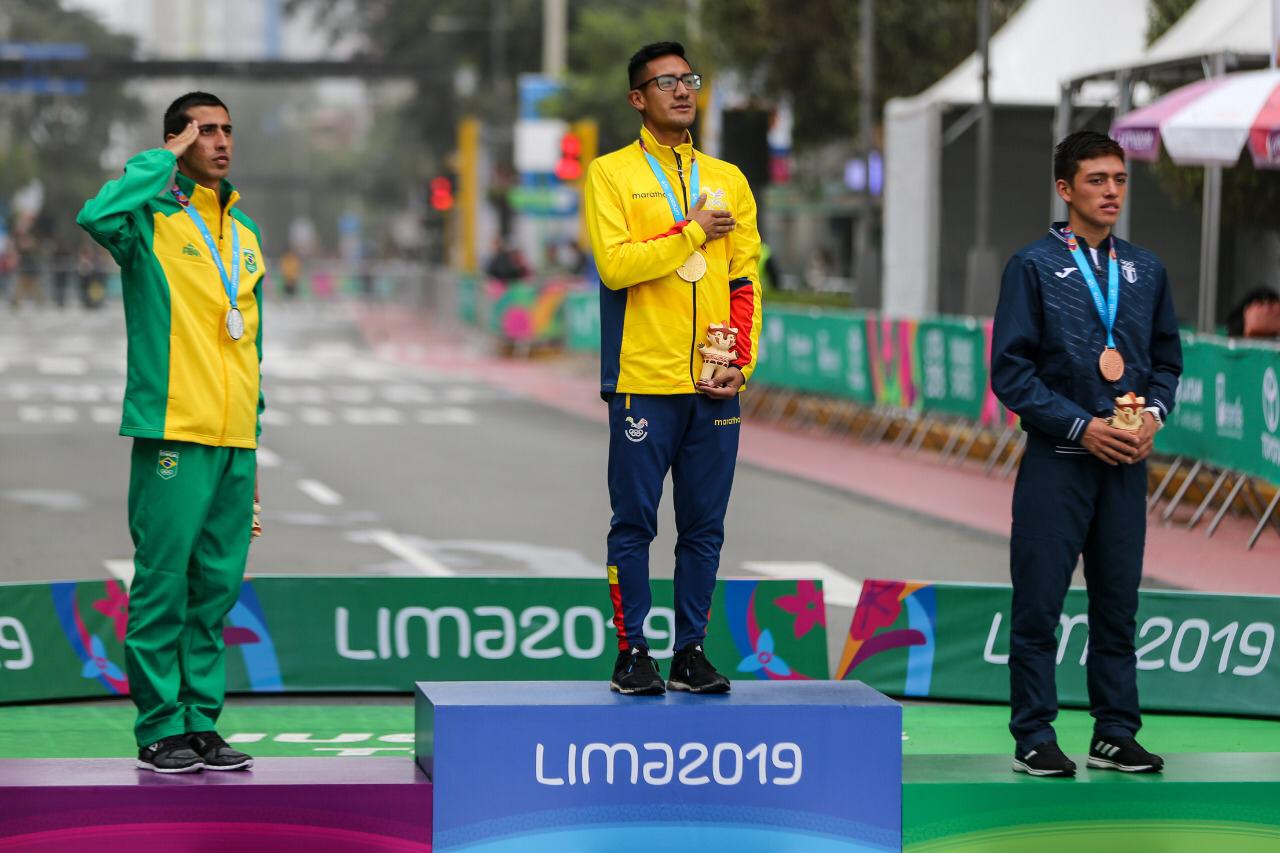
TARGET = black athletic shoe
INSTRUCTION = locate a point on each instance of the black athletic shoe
(636, 674)
(170, 755)
(691, 671)
(216, 753)
(1045, 759)
(1124, 754)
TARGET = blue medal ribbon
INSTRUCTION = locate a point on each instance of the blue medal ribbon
(230, 283)
(1106, 310)
(672, 199)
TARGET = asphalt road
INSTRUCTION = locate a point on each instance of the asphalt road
(371, 467)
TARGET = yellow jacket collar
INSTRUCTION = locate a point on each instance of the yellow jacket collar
(208, 204)
(665, 153)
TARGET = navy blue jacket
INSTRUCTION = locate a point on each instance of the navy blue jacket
(1048, 336)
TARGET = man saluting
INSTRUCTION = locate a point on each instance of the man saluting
(191, 264)
(1083, 318)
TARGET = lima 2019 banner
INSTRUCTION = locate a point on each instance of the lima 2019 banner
(1196, 652)
(65, 640)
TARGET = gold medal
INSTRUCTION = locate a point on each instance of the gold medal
(693, 269)
(1111, 364)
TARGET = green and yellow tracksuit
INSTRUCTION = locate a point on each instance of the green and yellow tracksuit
(193, 406)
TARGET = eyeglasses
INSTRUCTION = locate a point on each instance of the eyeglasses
(667, 82)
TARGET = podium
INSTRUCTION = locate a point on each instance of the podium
(812, 766)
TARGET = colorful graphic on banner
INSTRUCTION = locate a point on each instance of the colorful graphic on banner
(65, 640)
(1196, 652)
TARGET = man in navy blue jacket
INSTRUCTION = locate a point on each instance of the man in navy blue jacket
(1083, 318)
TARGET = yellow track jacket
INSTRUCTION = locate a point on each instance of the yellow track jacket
(651, 320)
(187, 380)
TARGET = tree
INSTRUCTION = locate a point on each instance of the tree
(60, 138)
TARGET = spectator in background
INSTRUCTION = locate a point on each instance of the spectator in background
(1257, 315)
(29, 264)
(61, 271)
(506, 263)
(290, 273)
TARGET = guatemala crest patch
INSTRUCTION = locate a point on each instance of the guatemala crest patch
(1129, 271)
(167, 466)
(250, 261)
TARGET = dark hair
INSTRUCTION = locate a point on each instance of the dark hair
(176, 117)
(648, 53)
(1082, 145)
(1235, 320)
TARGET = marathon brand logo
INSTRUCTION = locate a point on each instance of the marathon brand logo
(728, 421)
(657, 764)
(649, 195)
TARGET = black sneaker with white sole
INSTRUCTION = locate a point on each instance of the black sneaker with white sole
(217, 753)
(636, 674)
(691, 671)
(170, 755)
(1124, 754)
(1045, 759)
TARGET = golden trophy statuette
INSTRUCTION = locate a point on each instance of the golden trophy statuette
(1128, 414)
(717, 352)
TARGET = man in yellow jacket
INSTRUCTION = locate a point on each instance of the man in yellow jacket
(675, 241)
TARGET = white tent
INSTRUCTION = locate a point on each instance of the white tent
(1212, 27)
(1210, 38)
(1042, 44)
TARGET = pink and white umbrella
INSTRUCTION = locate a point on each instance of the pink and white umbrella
(1208, 122)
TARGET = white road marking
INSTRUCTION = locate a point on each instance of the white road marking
(319, 492)
(404, 549)
(62, 365)
(121, 570)
(837, 588)
(267, 458)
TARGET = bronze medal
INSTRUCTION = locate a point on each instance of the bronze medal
(693, 269)
(1111, 364)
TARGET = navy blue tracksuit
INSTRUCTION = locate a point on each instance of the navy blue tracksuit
(695, 437)
(1044, 367)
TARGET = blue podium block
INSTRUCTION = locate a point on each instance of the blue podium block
(805, 766)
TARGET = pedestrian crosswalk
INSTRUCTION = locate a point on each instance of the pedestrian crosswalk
(67, 370)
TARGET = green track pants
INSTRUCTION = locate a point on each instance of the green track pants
(190, 515)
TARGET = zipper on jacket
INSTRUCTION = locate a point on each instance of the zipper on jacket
(693, 286)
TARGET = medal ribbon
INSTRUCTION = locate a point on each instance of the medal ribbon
(1107, 309)
(672, 199)
(230, 283)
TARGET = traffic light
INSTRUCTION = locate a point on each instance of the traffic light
(569, 166)
(441, 193)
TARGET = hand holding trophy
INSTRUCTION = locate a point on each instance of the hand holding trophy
(1128, 414)
(717, 352)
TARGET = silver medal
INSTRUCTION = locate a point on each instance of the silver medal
(235, 324)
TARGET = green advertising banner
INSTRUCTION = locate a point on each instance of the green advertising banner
(822, 352)
(1228, 407)
(952, 377)
(291, 633)
(1196, 652)
(582, 321)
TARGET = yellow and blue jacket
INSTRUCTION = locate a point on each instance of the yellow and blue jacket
(187, 379)
(651, 320)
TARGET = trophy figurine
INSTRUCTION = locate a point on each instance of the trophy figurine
(1128, 413)
(717, 352)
